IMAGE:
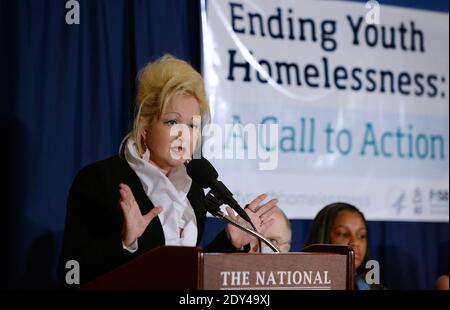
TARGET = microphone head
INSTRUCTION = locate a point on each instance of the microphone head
(202, 172)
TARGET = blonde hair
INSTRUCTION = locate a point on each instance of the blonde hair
(158, 83)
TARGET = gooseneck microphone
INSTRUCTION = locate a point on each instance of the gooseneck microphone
(205, 175)
(212, 208)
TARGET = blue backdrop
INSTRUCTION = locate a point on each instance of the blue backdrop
(67, 94)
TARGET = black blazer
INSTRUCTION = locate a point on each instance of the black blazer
(93, 229)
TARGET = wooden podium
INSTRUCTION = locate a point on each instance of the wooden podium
(317, 267)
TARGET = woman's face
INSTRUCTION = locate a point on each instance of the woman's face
(349, 229)
(172, 137)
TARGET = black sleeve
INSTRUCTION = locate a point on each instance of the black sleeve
(223, 245)
(92, 233)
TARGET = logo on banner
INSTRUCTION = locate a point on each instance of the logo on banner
(418, 201)
(396, 200)
(438, 199)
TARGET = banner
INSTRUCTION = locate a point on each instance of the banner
(316, 102)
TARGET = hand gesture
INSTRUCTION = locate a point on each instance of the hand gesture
(134, 223)
(261, 216)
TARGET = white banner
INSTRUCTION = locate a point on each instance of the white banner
(357, 95)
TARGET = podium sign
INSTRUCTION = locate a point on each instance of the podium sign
(289, 271)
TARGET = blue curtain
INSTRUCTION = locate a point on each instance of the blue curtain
(67, 94)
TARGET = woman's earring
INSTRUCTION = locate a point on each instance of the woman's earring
(146, 155)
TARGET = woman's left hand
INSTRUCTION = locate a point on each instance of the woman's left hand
(261, 216)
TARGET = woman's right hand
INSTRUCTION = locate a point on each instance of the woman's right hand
(134, 223)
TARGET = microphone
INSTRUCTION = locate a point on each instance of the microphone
(204, 174)
(213, 207)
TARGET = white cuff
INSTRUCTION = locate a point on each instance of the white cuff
(132, 248)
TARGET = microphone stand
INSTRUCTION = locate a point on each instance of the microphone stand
(213, 204)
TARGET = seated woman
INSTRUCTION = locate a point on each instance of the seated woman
(279, 233)
(343, 223)
(123, 206)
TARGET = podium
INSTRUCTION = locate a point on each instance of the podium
(317, 267)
